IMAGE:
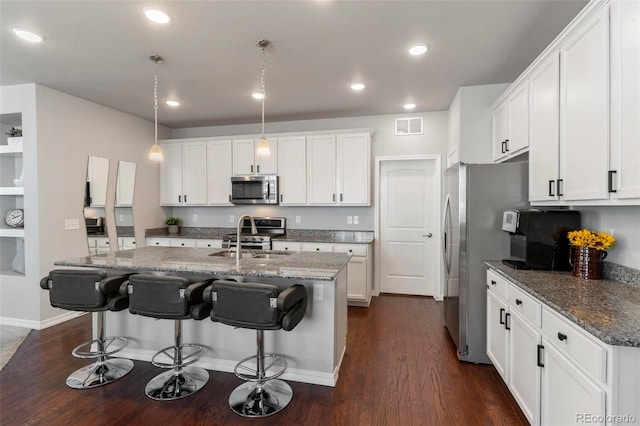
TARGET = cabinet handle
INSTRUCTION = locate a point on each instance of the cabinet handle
(502, 147)
(507, 326)
(340, 196)
(610, 179)
(258, 168)
(501, 313)
(317, 248)
(539, 357)
(560, 194)
(493, 282)
(562, 337)
(280, 197)
(518, 302)
(551, 182)
(185, 198)
(506, 145)
(134, 243)
(334, 197)
(251, 168)
(179, 198)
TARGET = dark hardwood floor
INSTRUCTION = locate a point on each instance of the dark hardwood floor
(400, 369)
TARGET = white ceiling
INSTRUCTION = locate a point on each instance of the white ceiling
(97, 50)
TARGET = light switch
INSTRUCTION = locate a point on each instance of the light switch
(195, 217)
(298, 219)
(356, 220)
(317, 292)
(349, 220)
(71, 224)
(232, 218)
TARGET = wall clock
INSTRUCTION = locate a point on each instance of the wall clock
(15, 218)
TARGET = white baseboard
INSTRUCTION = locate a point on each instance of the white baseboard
(40, 325)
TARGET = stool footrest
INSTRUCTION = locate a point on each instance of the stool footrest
(278, 364)
(169, 351)
(78, 353)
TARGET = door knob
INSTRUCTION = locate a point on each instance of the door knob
(429, 235)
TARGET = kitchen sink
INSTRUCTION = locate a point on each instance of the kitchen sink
(251, 255)
(232, 254)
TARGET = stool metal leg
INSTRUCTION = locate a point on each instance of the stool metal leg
(182, 380)
(260, 398)
(105, 370)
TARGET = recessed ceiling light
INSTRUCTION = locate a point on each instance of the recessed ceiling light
(172, 103)
(418, 49)
(257, 95)
(409, 106)
(156, 15)
(357, 86)
(27, 34)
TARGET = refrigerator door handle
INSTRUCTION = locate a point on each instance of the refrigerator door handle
(446, 256)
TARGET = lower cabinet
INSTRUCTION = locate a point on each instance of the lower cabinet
(98, 245)
(184, 242)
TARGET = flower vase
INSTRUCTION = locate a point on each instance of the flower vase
(586, 262)
(173, 229)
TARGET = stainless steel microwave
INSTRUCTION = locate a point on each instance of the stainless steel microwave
(254, 190)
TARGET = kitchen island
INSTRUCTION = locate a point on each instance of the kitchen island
(314, 349)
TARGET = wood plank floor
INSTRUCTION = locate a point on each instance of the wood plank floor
(400, 369)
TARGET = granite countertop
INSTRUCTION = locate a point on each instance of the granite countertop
(609, 310)
(293, 235)
(197, 261)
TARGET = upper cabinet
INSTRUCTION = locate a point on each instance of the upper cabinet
(292, 170)
(97, 177)
(183, 174)
(511, 123)
(219, 154)
(246, 162)
(321, 170)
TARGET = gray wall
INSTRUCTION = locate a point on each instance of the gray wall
(384, 143)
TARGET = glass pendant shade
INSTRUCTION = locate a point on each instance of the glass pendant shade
(263, 150)
(155, 153)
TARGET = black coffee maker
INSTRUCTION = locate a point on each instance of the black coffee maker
(539, 238)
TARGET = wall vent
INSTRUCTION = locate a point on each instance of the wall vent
(408, 126)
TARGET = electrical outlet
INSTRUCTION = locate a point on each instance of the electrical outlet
(356, 220)
(317, 292)
(232, 218)
(195, 217)
(121, 218)
(71, 224)
(349, 220)
(298, 219)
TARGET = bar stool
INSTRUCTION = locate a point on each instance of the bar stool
(91, 291)
(259, 307)
(174, 298)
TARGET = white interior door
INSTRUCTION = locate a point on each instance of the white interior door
(409, 227)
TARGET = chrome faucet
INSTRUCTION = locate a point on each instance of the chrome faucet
(238, 243)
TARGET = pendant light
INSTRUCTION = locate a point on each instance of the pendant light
(155, 154)
(263, 149)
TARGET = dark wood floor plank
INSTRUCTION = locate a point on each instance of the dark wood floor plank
(400, 369)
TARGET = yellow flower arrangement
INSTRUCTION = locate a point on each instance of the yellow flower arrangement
(587, 238)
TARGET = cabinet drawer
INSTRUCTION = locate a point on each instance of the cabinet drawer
(576, 344)
(102, 242)
(159, 242)
(285, 246)
(322, 247)
(183, 242)
(209, 243)
(497, 284)
(526, 305)
(352, 249)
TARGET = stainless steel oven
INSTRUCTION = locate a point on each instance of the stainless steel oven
(268, 228)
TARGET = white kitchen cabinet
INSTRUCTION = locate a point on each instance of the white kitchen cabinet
(98, 245)
(511, 123)
(182, 242)
(125, 183)
(624, 180)
(319, 247)
(500, 123)
(98, 176)
(354, 164)
(544, 150)
(200, 243)
(292, 170)
(183, 174)
(247, 162)
(290, 246)
(321, 170)
(126, 243)
(584, 110)
(219, 155)
(497, 344)
(158, 242)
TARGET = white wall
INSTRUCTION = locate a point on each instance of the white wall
(384, 143)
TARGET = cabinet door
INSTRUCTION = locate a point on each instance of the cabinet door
(268, 165)
(286, 246)
(524, 374)
(99, 176)
(500, 123)
(182, 242)
(497, 333)
(208, 243)
(544, 147)
(219, 173)
(584, 112)
(243, 157)
(321, 170)
(354, 169)
(566, 391)
(194, 173)
(321, 247)
(125, 183)
(357, 278)
(625, 99)
(171, 175)
(518, 126)
(158, 242)
(292, 170)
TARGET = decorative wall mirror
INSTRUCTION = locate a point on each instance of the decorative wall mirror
(95, 197)
(124, 205)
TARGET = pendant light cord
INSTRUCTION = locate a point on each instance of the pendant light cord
(155, 99)
(263, 89)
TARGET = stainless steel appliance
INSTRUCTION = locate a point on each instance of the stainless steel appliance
(538, 238)
(477, 195)
(268, 228)
(254, 190)
(95, 225)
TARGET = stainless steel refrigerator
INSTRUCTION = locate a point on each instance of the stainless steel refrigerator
(477, 194)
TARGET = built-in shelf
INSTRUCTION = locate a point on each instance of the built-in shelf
(11, 190)
(12, 232)
(10, 149)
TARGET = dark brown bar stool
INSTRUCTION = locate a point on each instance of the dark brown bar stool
(259, 307)
(91, 291)
(173, 298)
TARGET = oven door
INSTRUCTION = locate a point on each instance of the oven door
(247, 245)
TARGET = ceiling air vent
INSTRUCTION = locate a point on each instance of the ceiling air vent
(409, 126)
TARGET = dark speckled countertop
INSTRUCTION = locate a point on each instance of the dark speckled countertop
(609, 310)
